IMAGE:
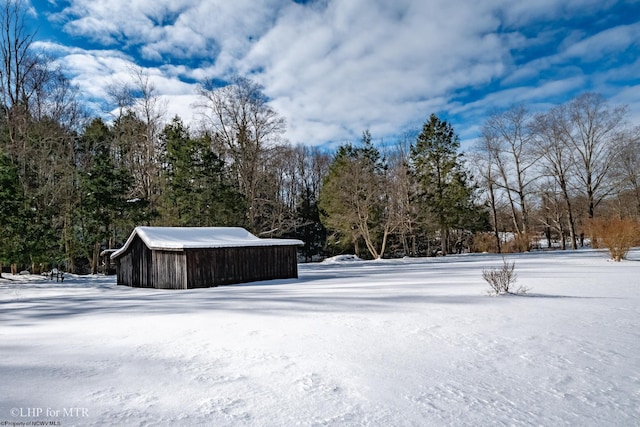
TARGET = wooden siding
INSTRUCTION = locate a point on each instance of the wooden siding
(224, 266)
(134, 268)
(170, 270)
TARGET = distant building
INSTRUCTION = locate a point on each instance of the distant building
(106, 264)
(200, 257)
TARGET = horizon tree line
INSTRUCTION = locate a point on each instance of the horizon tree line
(73, 183)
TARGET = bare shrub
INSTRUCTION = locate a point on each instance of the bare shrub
(501, 280)
(484, 242)
(618, 235)
(520, 243)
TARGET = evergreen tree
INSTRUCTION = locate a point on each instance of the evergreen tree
(11, 213)
(178, 174)
(223, 204)
(197, 190)
(38, 109)
(104, 187)
(311, 232)
(444, 189)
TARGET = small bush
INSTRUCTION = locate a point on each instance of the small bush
(501, 279)
(520, 243)
(618, 235)
(484, 242)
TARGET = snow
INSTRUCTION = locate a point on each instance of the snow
(342, 258)
(407, 342)
(178, 238)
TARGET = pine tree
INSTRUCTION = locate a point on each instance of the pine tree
(11, 213)
(104, 187)
(197, 190)
(444, 189)
(311, 232)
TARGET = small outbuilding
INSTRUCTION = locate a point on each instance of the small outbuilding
(107, 266)
(201, 257)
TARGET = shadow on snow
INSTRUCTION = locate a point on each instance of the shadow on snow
(373, 286)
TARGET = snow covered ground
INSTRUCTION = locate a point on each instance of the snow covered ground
(411, 342)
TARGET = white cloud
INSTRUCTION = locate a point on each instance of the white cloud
(334, 68)
(533, 96)
(369, 66)
(630, 96)
(179, 28)
(521, 13)
(95, 71)
(607, 42)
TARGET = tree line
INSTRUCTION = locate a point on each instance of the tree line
(554, 172)
(73, 183)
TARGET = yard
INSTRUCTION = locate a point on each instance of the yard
(407, 342)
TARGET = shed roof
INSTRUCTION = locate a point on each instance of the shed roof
(180, 238)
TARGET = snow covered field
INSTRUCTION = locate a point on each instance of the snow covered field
(412, 342)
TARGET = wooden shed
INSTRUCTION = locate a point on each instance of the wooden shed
(200, 257)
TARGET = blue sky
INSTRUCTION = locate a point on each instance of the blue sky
(334, 68)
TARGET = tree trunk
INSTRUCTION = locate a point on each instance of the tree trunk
(561, 231)
(547, 232)
(384, 242)
(95, 258)
(514, 212)
(405, 246)
(525, 213)
(494, 215)
(572, 222)
(444, 240)
(572, 228)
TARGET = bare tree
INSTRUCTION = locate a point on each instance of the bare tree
(150, 108)
(277, 192)
(553, 212)
(244, 127)
(508, 140)
(22, 73)
(289, 190)
(39, 114)
(312, 165)
(401, 187)
(354, 198)
(556, 155)
(626, 169)
(486, 173)
(591, 130)
(138, 125)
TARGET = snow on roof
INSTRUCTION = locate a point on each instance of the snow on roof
(179, 238)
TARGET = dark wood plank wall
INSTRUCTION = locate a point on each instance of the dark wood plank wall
(134, 268)
(223, 266)
(201, 268)
(123, 269)
(169, 269)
